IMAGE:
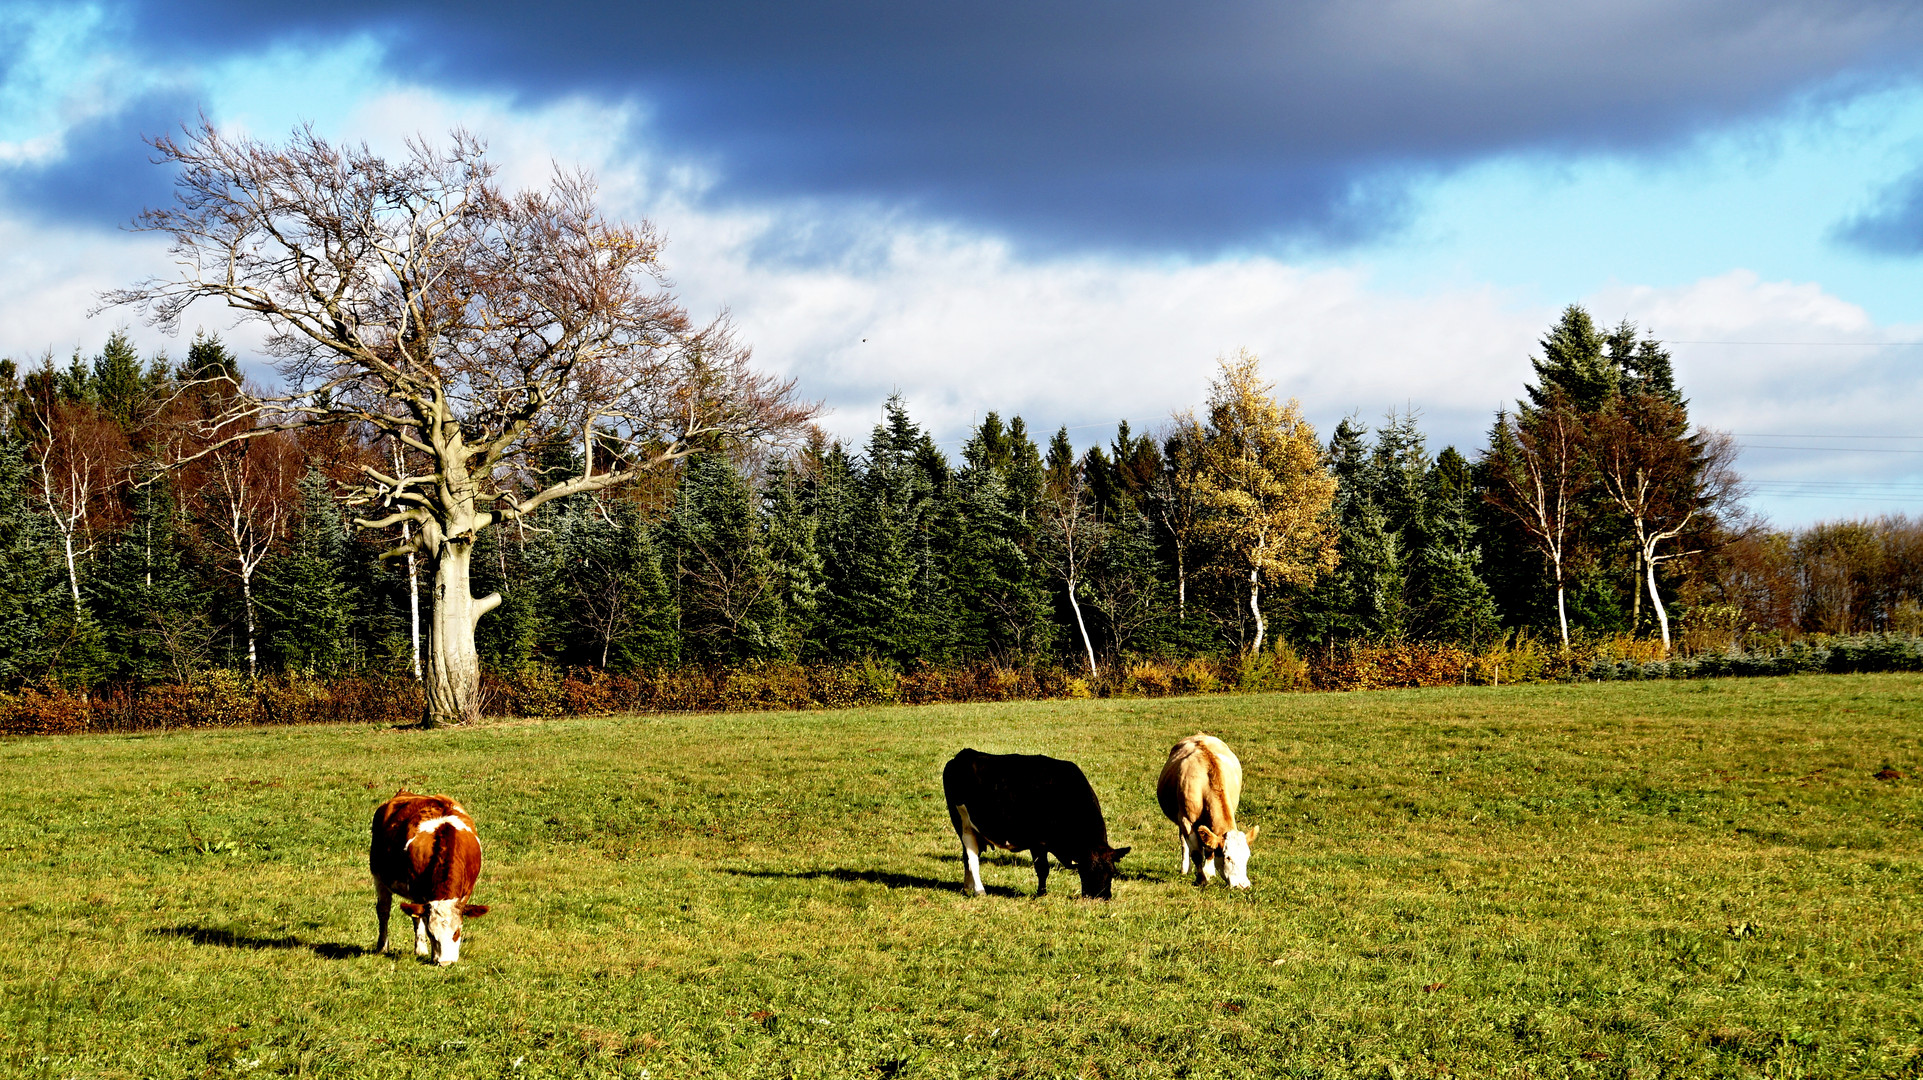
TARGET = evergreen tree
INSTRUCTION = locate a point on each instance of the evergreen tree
(306, 600)
(793, 558)
(887, 591)
(519, 562)
(844, 536)
(724, 583)
(620, 609)
(1000, 609)
(1362, 597)
(1575, 361)
(33, 601)
(154, 611)
(1447, 598)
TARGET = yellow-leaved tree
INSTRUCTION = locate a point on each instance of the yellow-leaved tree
(1263, 484)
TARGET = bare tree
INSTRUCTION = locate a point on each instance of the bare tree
(1541, 471)
(78, 459)
(1662, 480)
(1175, 496)
(247, 500)
(1071, 539)
(415, 298)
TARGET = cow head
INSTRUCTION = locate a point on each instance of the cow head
(1098, 872)
(1229, 853)
(437, 927)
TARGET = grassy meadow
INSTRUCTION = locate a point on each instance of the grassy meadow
(1626, 879)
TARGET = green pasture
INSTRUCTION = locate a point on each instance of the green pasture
(1625, 879)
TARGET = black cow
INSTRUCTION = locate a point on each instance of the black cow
(1033, 803)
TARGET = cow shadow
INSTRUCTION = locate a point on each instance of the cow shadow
(1123, 872)
(872, 877)
(227, 939)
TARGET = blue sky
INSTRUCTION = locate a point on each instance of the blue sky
(1068, 209)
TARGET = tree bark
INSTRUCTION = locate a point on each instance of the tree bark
(1655, 598)
(453, 670)
(247, 603)
(1255, 609)
(413, 605)
(1083, 627)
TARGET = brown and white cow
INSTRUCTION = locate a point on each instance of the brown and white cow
(1199, 790)
(424, 850)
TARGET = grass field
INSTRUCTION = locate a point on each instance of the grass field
(1629, 879)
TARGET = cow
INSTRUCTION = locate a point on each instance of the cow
(1199, 789)
(424, 850)
(1033, 803)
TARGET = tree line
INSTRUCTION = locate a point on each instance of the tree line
(1595, 507)
(496, 438)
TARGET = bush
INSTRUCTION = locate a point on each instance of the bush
(225, 698)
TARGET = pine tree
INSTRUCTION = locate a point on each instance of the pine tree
(33, 600)
(1447, 598)
(724, 583)
(793, 558)
(1362, 596)
(1575, 361)
(620, 609)
(1000, 609)
(306, 601)
(153, 610)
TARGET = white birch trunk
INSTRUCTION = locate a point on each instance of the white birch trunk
(1087, 645)
(1255, 609)
(247, 604)
(1655, 597)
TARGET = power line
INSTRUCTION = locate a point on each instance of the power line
(1820, 344)
(1781, 435)
(1832, 449)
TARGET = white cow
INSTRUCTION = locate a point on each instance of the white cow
(1199, 790)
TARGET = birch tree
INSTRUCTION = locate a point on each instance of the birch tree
(415, 298)
(247, 501)
(1661, 479)
(1070, 541)
(1542, 475)
(1264, 485)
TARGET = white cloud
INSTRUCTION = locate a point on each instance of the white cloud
(961, 324)
(1822, 397)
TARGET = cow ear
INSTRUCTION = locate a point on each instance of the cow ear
(473, 911)
(1208, 836)
(414, 909)
(1121, 851)
(1251, 834)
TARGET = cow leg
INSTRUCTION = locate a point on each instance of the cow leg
(971, 853)
(1041, 871)
(422, 947)
(1194, 860)
(383, 902)
(1182, 837)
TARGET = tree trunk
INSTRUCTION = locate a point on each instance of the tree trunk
(1562, 612)
(1636, 593)
(1255, 608)
(413, 605)
(1086, 644)
(1181, 585)
(247, 604)
(453, 674)
(73, 576)
(1656, 601)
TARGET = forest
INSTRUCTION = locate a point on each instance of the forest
(1596, 511)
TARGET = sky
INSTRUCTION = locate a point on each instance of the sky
(1070, 209)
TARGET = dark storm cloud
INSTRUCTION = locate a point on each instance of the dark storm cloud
(1131, 122)
(106, 175)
